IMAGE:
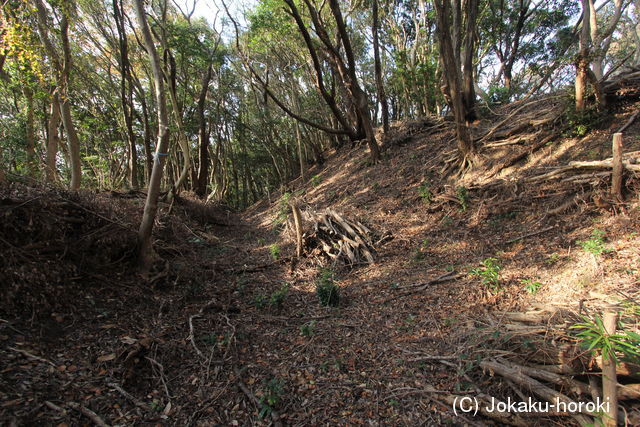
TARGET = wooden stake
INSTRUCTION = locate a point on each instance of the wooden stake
(297, 219)
(616, 178)
(609, 379)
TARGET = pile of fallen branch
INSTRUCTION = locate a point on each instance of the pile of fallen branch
(586, 171)
(330, 235)
(623, 86)
(540, 358)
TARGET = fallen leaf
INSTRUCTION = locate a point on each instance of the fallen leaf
(167, 409)
(106, 357)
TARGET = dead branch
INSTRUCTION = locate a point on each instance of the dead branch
(275, 417)
(32, 356)
(87, 413)
(535, 233)
(128, 396)
(628, 391)
(337, 238)
(565, 382)
(549, 394)
(629, 122)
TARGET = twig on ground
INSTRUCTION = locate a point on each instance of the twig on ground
(88, 413)
(535, 233)
(128, 396)
(33, 356)
(275, 417)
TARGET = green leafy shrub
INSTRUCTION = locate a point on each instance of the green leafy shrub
(274, 250)
(579, 123)
(594, 337)
(260, 301)
(425, 192)
(278, 297)
(316, 180)
(463, 197)
(272, 396)
(595, 245)
(327, 290)
(489, 272)
(531, 286)
(308, 329)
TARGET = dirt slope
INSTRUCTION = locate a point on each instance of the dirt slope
(229, 330)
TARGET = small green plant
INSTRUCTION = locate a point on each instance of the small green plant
(278, 297)
(531, 286)
(194, 289)
(327, 290)
(447, 221)
(260, 301)
(214, 339)
(594, 337)
(272, 396)
(489, 272)
(419, 253)
(261, 241)
(595, 245)
(581, 123)
(425, 192)
(155, 405)
(316, 180)
(553, 258)
(274, 250)
(308, 329)
(463, 198)
(210, 339)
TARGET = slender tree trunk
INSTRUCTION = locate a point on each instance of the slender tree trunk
(146, 253)
(582, 62)
(32, 165)
(351, 80)
(453, 84)
(3, 177)
(382, 97)
(65, 107)
(53, 139)
(62, 70)
(469, 99)
(182, 139)
(303, 169)
(203, 137)
(126, 93)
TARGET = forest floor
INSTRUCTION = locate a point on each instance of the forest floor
(228, 329)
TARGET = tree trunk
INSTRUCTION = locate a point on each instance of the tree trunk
(126, 93)
(350, 78)
(182, 139)
(582, 62)
(53, 139)
(382, 97)
(453, 84)
(469, 99)
(72, 142)
(65, 107)
(3, 177)
(303, 169)
(30, 136)
(203, 137)
(145, 248)
(62, 71)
